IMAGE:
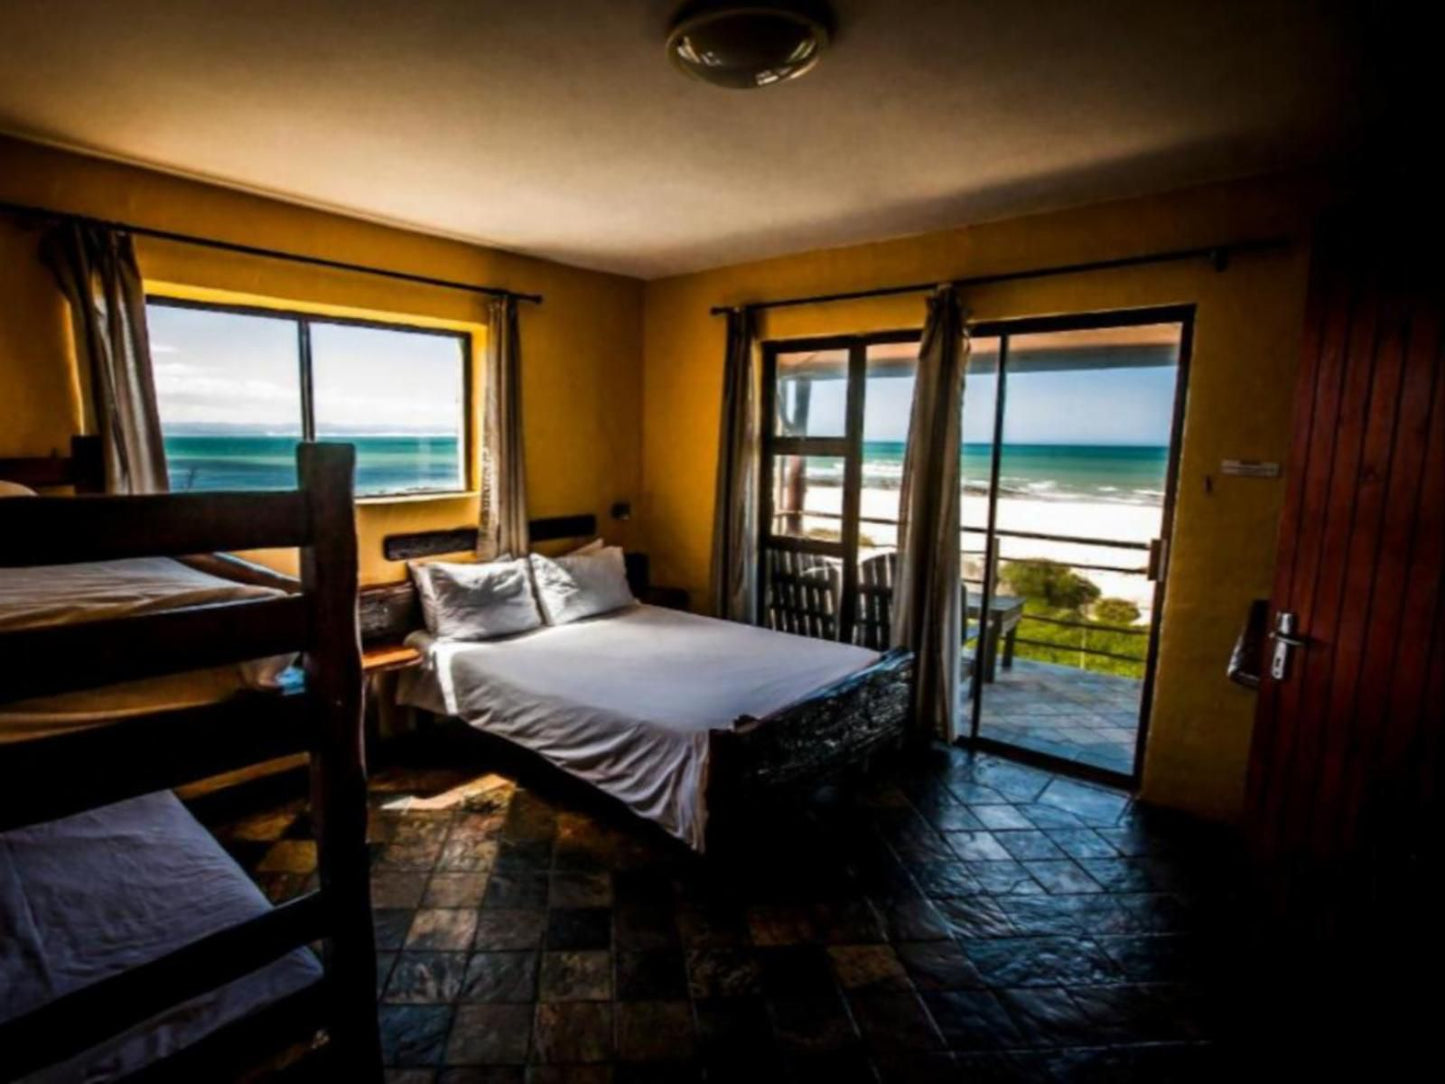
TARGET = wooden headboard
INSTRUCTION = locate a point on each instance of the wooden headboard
(83, 468)
(408, 547)
(389, 611)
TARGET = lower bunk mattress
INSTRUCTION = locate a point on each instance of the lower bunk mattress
(91, 895)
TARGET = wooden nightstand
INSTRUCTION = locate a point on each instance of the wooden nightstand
(385, 658)
(381, 664)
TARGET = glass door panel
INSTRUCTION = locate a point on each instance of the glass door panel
(808, 496)
(1083, 465)
(811, 397)
(889, 379)
(980, 413)
(809, 522)
(887, 410)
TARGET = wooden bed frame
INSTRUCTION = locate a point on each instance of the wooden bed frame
(49, 777)
(835, 732)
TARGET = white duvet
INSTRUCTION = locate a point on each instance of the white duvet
(72, 594)
(626, 701)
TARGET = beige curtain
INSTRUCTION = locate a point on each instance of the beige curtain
(735, 515)
(503, 528)
(97, 272)
(927, 594)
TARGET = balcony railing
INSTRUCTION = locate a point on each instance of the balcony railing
(1082, 648)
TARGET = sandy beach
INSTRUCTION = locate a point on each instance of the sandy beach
(1114, 520)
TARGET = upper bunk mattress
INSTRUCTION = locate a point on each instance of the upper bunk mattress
(95, 591)
(626, 701)
(91, 895)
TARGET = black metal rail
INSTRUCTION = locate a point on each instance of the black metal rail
(1082, 650)
(1113, 543)
(1029, 535)
(44, 214)
(1128, 631)
(1218, 255)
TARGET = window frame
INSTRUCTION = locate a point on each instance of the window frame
(304, 319)
(848, 447)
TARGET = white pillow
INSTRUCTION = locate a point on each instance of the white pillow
(15, 489)
(581, 585)
(595, 546)
(476, 600)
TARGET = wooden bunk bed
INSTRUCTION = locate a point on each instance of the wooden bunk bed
(55, 778)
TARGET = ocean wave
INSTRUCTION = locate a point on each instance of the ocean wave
(885, 474)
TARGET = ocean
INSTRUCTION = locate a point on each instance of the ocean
(384, 464)
(1124, 474)
(414, 464)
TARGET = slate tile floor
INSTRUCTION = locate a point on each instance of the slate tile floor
(1088, 718)
(966, 919)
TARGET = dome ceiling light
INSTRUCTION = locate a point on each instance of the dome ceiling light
(742, 46)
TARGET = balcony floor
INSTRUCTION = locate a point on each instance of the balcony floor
(1075, 714)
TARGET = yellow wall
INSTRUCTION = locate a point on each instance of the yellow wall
(581, 348)
(1246, 344)
(621, 381)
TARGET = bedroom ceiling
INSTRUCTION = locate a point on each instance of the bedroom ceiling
(558, 128)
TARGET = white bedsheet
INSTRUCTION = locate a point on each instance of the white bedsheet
(626, 701)
(72, 594)
(88, 896)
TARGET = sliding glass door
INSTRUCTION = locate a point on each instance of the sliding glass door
(1080, 457)
(1070, 437)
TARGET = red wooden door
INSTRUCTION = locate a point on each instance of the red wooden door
(1344, 784)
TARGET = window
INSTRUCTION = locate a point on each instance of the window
(238, 387)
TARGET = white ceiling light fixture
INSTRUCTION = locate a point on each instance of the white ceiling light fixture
(744, 46)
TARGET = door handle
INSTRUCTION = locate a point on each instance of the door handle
(1287, 638)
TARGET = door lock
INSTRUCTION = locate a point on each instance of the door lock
(1286, 638)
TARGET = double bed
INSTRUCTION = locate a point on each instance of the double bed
(629, 701)
(678, 716)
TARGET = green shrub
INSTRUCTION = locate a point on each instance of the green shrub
(1114, 611)
(1056, 585)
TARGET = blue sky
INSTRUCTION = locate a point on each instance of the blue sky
(1082, 406)
(224, 372)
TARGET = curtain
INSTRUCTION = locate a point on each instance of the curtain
(97, 272)
(927, 593)
(735, 529)
(504, 475)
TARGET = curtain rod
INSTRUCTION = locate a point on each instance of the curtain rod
(1217, 254)
(23, 210)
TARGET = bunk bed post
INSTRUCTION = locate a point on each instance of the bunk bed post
(338, 768)
(87, 464)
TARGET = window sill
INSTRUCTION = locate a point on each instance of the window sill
(420, 498)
